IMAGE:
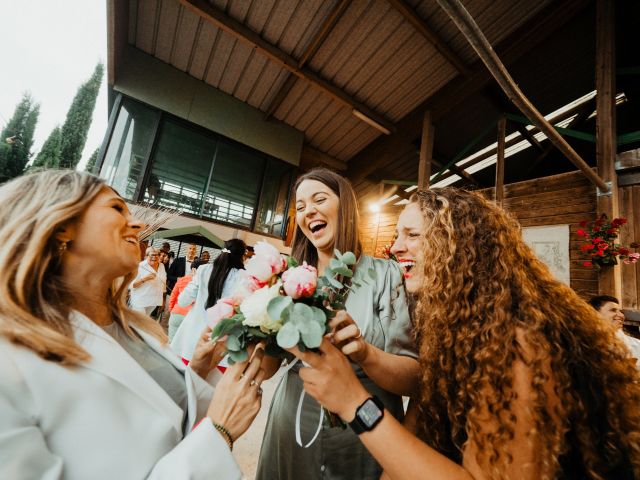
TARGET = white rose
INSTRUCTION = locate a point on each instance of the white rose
(254, 309)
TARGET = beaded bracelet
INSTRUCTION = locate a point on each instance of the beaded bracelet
(225, 433)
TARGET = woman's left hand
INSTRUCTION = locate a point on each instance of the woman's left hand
(330, 379)
(347, 336)
(208, 353)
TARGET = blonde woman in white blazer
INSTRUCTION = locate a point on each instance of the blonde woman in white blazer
(88, 388)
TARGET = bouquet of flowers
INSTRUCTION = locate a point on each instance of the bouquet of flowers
(600, 245)
(282, 303)
(386, 252)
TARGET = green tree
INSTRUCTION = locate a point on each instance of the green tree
(49, 155)
(16, 138)
(91, 164)
(76, 125)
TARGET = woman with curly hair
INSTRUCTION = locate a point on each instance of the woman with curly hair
(520, 378)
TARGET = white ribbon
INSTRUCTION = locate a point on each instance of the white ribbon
(299, 413)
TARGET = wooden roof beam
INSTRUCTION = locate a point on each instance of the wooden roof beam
(218, 18)
(430, 36)
(525, 38)
(468, 27)
(312, 48)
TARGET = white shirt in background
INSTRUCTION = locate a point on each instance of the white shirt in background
(150, 293)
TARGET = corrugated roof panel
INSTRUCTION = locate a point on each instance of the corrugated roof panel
(278, 20)
(425, 81)
(327, 122)
(295, 94)
(247, 81)
(358, 142)
(224, 45)
(365, 31)
(350, 129)
(305, 103)
(235, 67)
(324, 10)
(339, 35)
(170, 13)
(259, 14)
(146, 26)
(133, 19)
(371, 55)
(335, 131)
(298, 32)
(315, 110)
(185, 39)
(203, 50)
(267, 83)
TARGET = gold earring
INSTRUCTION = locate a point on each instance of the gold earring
(62, 247)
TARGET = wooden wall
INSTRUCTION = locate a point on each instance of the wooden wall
(629, 198)
(560, 199)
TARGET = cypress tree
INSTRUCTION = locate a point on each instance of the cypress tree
(49, 155)
(91, 164)
(16, 138)
(76, 126)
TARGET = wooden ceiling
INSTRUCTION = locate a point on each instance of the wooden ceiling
(313, 63)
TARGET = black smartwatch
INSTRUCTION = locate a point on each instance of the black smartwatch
(368, 415)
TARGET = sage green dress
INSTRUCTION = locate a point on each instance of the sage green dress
(379, 307)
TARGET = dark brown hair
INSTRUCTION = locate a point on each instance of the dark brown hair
(347, 234)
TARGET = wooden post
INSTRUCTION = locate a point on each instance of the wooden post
(502, 129)
(426, 152)
(609, 279)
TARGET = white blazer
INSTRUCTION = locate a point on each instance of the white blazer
(104, 419)
(186, 337)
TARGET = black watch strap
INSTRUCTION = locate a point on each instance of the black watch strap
(368, 415)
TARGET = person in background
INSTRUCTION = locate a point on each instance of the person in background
(609, 308)
(172, 257)
(148, 287)
(519, 377)
(205, 257)
(210, 283)
(177, 313)
(181, 266)
(88, 387)
(166, 247)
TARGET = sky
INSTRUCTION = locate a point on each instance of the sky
(49, 48)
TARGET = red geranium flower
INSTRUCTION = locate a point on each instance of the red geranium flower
(580, 232)
(623, 251)
(587, 264)
(583, 223)
(603, 245)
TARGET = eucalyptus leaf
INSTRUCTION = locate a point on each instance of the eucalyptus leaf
(319, 316)
(288, 336)
(312, 335)
(277, 305)
(335, 263)
(335, 283)
(256, 332)
(233, 344)
(344, 271)
(337, 254)
(349, 258)
(240, 356)
(223, 327)
(292, 262)
(301, 313)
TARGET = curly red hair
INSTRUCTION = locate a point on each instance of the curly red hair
(484, 292)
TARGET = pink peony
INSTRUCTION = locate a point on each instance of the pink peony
(260, 269)
(633, 258)
(300, 281)
(271, 255)
(224, 308)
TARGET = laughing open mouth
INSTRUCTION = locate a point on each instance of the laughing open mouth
(406, 266)
(316, 226)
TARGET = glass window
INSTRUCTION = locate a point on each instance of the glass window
(271, 213)
(235, 185)
(128, 148)
(181, 165)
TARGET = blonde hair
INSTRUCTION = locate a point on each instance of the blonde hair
(483, 288)
(34, 310)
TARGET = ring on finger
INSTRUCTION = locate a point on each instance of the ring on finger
(253, 383)
(359, 333)
(259, 391)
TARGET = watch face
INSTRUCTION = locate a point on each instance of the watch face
(369, 413)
